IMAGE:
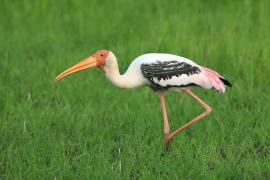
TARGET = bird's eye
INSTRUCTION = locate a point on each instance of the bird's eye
(101, 55)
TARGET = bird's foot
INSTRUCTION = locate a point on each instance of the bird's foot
(167, 140)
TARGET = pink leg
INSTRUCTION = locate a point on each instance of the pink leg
(166, 129)
(207, 111)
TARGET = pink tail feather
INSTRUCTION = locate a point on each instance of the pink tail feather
(215, 79)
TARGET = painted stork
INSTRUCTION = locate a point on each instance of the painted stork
(161, 72)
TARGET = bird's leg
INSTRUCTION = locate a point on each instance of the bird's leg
(207, 111)
(166, 129)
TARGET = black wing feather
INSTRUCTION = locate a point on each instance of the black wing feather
(166, 70)
(226, 82)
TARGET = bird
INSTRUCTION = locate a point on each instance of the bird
(161, 72)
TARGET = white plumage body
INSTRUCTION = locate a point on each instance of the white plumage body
(134, 76)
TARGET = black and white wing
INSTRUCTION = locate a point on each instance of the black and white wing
(171, 73)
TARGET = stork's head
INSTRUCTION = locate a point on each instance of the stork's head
(96, 60)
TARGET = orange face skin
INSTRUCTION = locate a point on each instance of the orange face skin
(96, 60)
(101, 56)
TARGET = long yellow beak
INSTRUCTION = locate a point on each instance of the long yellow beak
(87, 63)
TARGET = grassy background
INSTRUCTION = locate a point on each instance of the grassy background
(84, 127)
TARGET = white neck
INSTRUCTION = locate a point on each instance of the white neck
(127, 80)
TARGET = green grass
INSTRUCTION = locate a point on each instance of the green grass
(83, 127)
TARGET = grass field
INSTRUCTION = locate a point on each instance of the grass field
(83, 127)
